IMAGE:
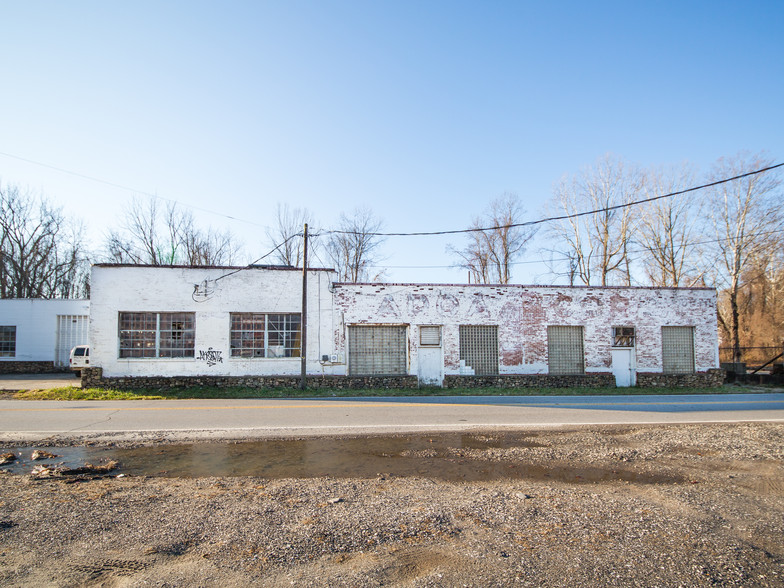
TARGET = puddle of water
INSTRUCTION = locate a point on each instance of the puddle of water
(431, 456)
(68, 457)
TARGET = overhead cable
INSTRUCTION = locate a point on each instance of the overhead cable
(555, 218)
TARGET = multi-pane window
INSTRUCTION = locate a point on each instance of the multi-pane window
(265, 335)
(678, 350)
(565, 350)
(479, 348)
(623, 337)
(157, 334)
(8, 341)
(377, 350)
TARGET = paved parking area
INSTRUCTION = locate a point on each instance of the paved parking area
(37, 381)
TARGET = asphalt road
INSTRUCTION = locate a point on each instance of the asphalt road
(32, 420)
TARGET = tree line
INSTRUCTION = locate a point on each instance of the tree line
(729, 236)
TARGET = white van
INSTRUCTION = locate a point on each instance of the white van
(80, 358)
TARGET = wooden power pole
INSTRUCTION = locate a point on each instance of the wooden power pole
(304, 322)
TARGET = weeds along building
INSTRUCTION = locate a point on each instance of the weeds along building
(36, 336)
(222, 326)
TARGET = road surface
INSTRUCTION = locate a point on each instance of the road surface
(34, 420)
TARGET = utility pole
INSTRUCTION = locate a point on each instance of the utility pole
(304, 322)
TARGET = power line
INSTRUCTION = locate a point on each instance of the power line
(637, 250)
(556, 218)
(252, 263)
(128, 189)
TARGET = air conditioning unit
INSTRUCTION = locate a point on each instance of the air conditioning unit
(334, 358)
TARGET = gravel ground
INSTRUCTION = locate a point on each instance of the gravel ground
(679, 505)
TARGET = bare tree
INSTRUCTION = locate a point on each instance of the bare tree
(289, 223)
(42, 254)
(745, 214)
(353, 247)
(596, 246)
(490, 254)
(667, 229)
(156, 236)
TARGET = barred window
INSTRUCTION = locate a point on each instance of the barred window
(678, 350)
(623, 337)
(157, 334)
(377, 350)
(8, 341)
(565, 354)
(265, 335)
(479, 348)
(430, 335)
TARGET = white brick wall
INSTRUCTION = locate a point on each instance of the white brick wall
(523, 313)
(117, 289)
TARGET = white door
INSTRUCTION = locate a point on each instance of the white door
(431, 366)
(430, 363)
(624, 366)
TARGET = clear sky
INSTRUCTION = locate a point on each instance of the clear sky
(422, 110)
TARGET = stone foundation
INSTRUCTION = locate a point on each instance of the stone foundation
(30, 367)
(93, 378)
(710, 379)
(593, 380)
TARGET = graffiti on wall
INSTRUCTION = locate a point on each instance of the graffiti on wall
(211, 356)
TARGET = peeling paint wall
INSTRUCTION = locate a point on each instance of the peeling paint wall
(523, 314)
(165, 289)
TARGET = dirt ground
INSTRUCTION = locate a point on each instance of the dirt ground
(679, 505)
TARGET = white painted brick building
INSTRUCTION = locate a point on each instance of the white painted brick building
(182, 321)
(152, 321)
(37, 335)
(488, 330)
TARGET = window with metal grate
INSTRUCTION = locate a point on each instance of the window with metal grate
(678, 350)
(565, 354)
(479, 348)
(430, 335)
(377, 350)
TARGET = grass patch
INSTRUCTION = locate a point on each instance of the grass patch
(238, 392)
(73, 393)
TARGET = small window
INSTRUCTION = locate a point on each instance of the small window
(8, 341)
(430, 336)
(678, 350)
(479, 348)
(565, 354)
(623, 337)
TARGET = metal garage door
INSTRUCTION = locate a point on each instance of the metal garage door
(377, 351)
(72, 330)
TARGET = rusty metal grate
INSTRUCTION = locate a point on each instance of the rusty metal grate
(678, 350)
(565, 355)
(377, 350)
(479, 348)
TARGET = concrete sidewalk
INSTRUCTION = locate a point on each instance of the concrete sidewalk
(15, 382)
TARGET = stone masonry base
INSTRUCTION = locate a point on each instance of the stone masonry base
(30, 367)
(93, 378)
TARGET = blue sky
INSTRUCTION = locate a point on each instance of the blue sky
(423, 111)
